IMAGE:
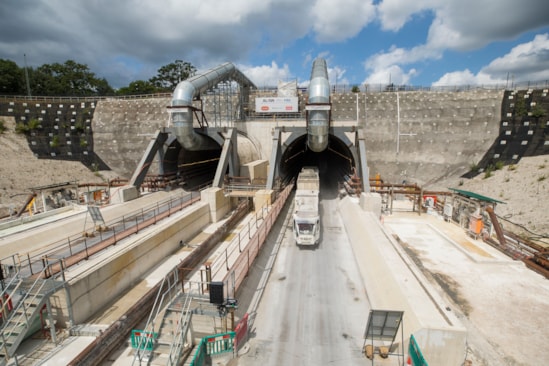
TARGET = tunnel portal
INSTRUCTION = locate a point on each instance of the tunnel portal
(196, 169)
(333, 163)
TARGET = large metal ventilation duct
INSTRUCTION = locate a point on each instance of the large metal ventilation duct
(318, 116)
(184, 94)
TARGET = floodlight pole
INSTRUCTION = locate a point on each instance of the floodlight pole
(27, 75)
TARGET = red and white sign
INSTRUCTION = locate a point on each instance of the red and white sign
(276, 105)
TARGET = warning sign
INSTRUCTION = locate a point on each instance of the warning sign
(276, 105)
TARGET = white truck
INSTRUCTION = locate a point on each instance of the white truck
(306, 207)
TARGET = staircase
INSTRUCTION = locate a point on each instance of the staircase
(175, 338)
(170, 344)
(33, 296)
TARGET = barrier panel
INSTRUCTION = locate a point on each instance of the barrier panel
(241, 332)
(213, 345)
(143, 340)
(415, 357)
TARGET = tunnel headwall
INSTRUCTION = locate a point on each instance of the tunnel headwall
(413, 136)
(421, 137)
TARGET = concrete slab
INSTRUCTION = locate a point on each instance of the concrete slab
(499, 300)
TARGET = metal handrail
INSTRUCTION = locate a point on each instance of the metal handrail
(26, 261)
(164, 293)
(19, 312)
(184, 323)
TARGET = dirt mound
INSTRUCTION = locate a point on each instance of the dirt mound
(524, 189)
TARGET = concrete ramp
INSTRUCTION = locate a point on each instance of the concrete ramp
(393, 282)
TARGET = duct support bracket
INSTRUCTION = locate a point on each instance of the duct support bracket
(229, 157)
(275, 157)
(155, 146)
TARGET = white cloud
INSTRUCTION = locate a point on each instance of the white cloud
(267, 75)
(151, 34)
(466, 77)
(457, 25)
(528, 61)
(339, 20)
(466, 24)
(386, 66)
(394, 14)
(336, 76)
(470, 24)
(392, 74)
(525, 62)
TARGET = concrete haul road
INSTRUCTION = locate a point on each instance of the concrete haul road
(314, 308)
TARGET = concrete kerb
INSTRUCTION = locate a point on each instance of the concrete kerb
(392, 285)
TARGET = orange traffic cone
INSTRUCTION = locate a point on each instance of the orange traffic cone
(409, 362)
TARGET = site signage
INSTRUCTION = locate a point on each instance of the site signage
(276, 105)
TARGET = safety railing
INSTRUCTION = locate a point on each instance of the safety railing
(165, 295)
(77, 99)
(335, 89)
(24, 311)
(240, 253)
(184, 322)
(81, 246)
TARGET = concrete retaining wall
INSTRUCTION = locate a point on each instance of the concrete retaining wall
(124, 128)
(441, 134)
(100, 285)
(393, 283)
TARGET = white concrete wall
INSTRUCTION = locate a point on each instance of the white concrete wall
(101, 284)
(393, 283)
(219, 204)
(441, 133)
(255, 170)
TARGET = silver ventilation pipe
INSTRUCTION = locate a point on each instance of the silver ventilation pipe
(182, 103)
(318, 120)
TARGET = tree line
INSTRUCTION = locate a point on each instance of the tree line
(75, 79)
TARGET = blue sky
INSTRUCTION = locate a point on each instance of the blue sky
(413, 42)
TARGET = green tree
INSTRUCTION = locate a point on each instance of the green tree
(355, 89)
(138, 87)
(70, 78)
(172, 74)
(12, 79)
(103, 87)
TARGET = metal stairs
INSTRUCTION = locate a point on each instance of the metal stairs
(171, 342)
(29, 296)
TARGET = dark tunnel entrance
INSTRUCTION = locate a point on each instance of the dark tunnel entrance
(194, 169)
(333, 163)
